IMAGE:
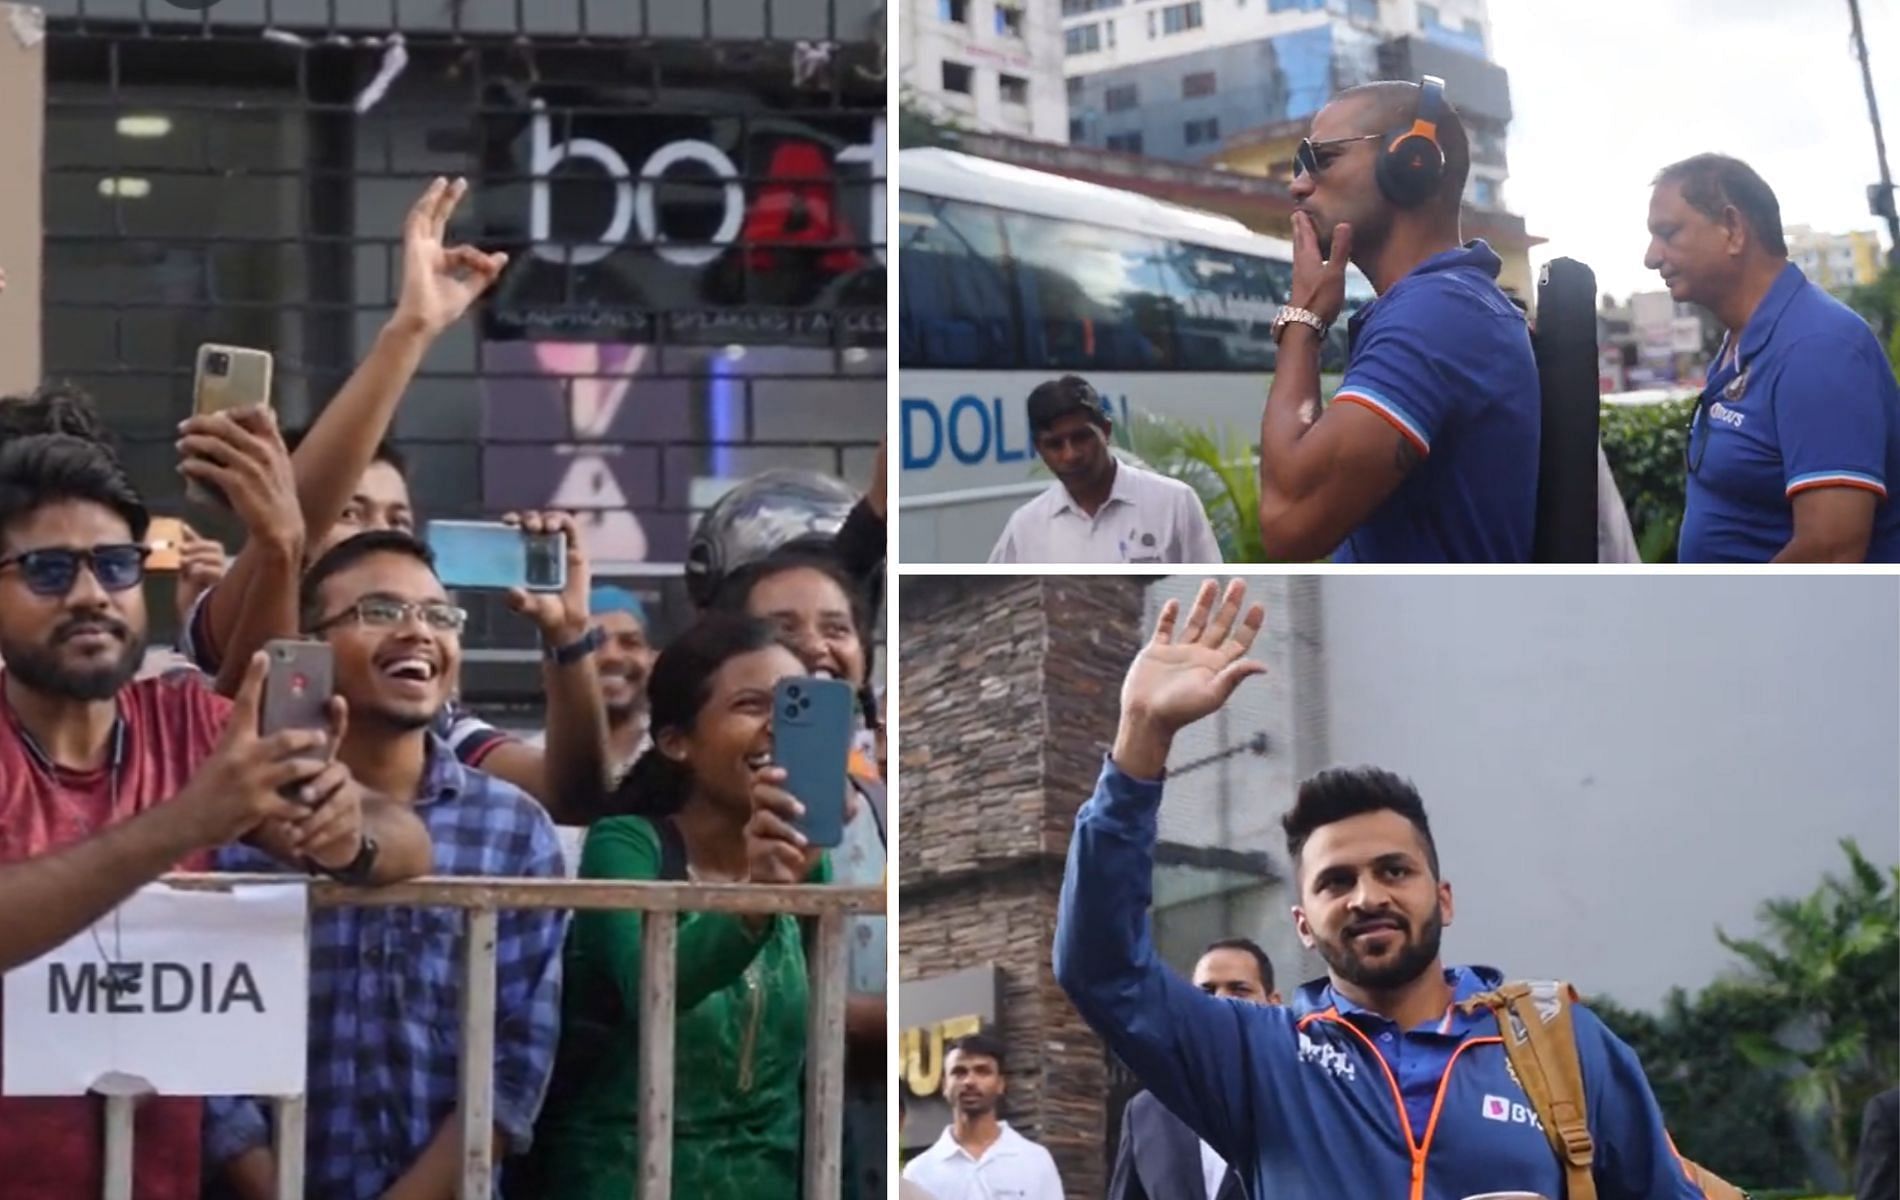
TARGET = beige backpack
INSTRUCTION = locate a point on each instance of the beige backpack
(1540, 1042)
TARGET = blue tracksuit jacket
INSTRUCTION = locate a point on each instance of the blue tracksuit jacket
(1324, 1101)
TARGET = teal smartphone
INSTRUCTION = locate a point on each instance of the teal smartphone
(490, 556)
(812, 724)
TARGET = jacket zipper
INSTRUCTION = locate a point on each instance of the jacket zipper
(756, 1000)
(1417, 1150)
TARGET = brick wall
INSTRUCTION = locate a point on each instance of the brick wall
(1008, 702)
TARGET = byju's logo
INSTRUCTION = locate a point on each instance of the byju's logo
(1497, 1108)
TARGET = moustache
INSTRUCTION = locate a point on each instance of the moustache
(81, 625)
(1371, 924)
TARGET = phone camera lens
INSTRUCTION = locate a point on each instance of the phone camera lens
(805, 703)
(792, 691)
(218, 363)
(791, 710)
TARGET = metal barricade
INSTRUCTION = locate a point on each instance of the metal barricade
(661, 904)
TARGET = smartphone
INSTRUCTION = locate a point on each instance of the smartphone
(491, 556)
(227, 377)
(812, 722)
(166, 537)
(298, 687)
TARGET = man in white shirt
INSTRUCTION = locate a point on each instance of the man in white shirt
(1099, 510)
(1160, 1158)
(980, 1157)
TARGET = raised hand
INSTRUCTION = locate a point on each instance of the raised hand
(201, 563)
(561, 616)
(440, 281)
(1319, 285)
(1177, 680)
(239, 787)
(775, 851)
(241, 452)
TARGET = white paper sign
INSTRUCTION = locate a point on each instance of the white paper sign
(214, 1001)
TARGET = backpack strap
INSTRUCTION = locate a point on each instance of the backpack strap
(1540, 1043)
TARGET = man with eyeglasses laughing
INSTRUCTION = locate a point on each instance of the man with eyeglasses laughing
(1796, 437)
(1428, 452)
(107, 783)
(385, 983)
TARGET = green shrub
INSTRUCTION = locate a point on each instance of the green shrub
(1645, 444)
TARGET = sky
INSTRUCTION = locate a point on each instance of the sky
(1607, 92)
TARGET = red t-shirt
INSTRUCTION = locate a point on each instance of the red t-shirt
(54, 1149)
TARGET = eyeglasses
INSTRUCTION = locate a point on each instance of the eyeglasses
(1306, 159)
(118, 567)
(380, 613)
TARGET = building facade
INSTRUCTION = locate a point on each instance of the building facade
(691, 195)
(1835, 261)
(1235, 86)
(990, 65)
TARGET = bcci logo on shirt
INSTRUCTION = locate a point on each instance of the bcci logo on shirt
(1497, 1108)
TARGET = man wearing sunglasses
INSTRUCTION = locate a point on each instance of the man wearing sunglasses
(1796, 436)
(1428, 452)
(107, 783)
(385, 983)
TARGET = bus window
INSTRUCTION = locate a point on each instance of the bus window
(955, 308)
(1092, 298)
(1227, 303)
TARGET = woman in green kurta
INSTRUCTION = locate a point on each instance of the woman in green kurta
(739, 1043)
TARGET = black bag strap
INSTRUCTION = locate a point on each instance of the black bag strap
(672, 849)
(873, 794)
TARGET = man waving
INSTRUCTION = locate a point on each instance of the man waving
(1374, 1082)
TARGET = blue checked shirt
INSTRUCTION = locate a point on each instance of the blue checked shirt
(385, 999)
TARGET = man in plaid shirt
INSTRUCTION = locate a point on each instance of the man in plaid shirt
(385, 983)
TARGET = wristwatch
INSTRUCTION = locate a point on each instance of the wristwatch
(579, 648)
(356, 872)
(1290, 313)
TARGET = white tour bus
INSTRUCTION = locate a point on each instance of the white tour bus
(1009, 277)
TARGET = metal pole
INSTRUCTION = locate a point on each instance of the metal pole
(824, 1063)
(287, 1146)
(659, 944)
(1880, 139)
(119, 1147)
(477, 1104)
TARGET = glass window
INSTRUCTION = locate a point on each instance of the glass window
(954, 309)
(1121, 97)
(1226, 303)
(1009, 21)
(1207, 129)
(957, 77)
(1091, 299)
(1127, 143)
(954, 10)
(1082, 39)
(1200, 83)
(1181, 17)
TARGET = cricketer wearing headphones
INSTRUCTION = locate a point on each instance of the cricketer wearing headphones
(1428, 452)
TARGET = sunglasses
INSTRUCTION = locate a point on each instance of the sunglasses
(1306, 158)
(52, 572)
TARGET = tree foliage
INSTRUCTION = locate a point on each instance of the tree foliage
(1805, 1029)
